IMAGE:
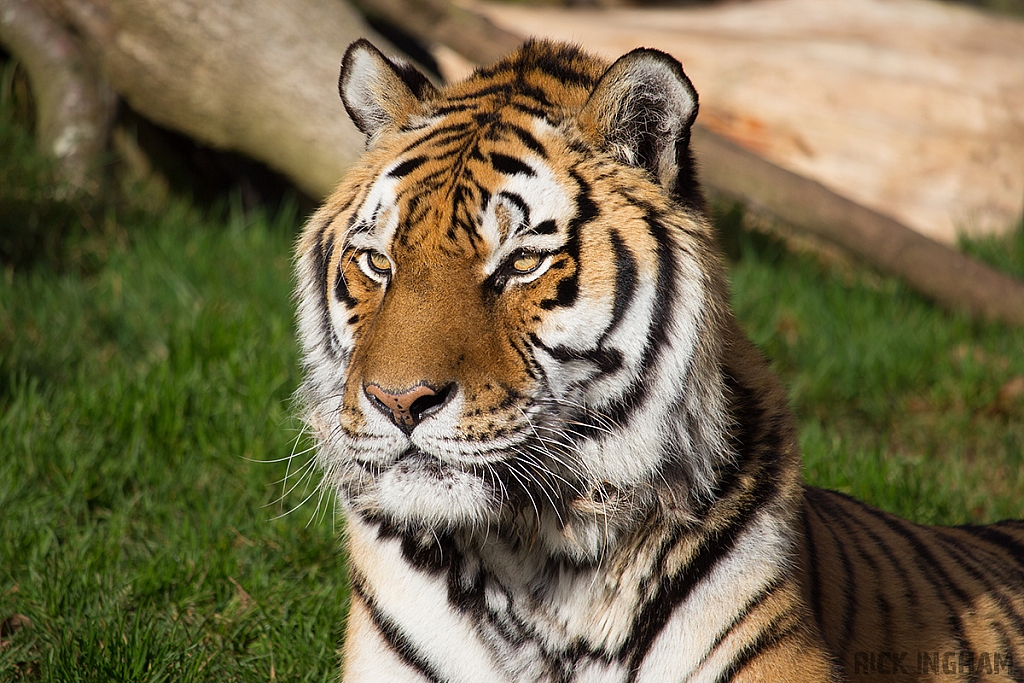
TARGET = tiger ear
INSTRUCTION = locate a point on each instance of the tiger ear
(378, 91)
(641, 110)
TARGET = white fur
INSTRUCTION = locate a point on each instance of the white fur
(372, 660)
(547, 201)
(687, 639)
(418, 602)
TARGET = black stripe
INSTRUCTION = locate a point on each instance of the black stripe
(454, 108)
(567, 289)
(343, 207)
(407, 167)
(510, 626)
(432, 558)
(487, 89)
(559, 64)
(849, 595)
(968, 556)
(432, 181)
(929, 565)
(393, 635)
(746, 414)
(768, 638)
(884, 607)
(981, 571)
(625, 280)
(468, 599)
(607, 360)
(341, 292)
(453, 130)
(322, 254)
(526, 138)
(416, 209)
(812, 570)
(999, 538)
(528, 361)
(850, 583)
(510, 165)
(358, 227)
(526, 93)
(536, 112)
(547, 227)
(514, 198)
(814, 494)
(741, 616)
(566, 292)
(441, 143)
(675, 589)
(620, 411)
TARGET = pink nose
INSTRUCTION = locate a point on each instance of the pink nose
(409, 407)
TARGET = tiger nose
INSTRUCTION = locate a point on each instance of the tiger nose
(408, 408)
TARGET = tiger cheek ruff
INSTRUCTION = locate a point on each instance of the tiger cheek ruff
(559, 457)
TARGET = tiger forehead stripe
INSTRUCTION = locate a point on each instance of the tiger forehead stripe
(510, 165)
(450, 179)
(406, 167)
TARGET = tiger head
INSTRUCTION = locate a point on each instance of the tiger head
(510, 308)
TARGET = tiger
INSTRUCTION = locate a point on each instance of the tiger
(558, 457)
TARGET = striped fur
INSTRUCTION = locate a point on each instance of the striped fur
(598, 479)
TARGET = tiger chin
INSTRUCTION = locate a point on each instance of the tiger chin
(559, 457)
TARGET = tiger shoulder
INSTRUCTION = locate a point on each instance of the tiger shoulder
(559, 458)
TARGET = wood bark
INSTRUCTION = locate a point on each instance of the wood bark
(250, 76)
(935, 270)
(74, 103)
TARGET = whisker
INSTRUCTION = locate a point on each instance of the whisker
(301, 503)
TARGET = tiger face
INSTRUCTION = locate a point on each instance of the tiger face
(501, 306)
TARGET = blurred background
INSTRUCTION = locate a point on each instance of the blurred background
(160, 518)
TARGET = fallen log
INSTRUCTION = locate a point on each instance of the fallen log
(75, 105)
(940, 273)
(442, 23)
(254, 77)
(933, 269)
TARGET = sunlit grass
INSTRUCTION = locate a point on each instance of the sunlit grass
(140, 407)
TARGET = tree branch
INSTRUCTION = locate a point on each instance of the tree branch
(940, 273)
(441, 22)
(74, 104)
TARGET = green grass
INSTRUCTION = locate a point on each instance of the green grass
(900, 403)
(140, 532)
(146, 368)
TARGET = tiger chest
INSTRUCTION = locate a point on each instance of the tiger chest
(460, 619)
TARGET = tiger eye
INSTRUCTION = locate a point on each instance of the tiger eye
(526, 262)
(378, 262)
